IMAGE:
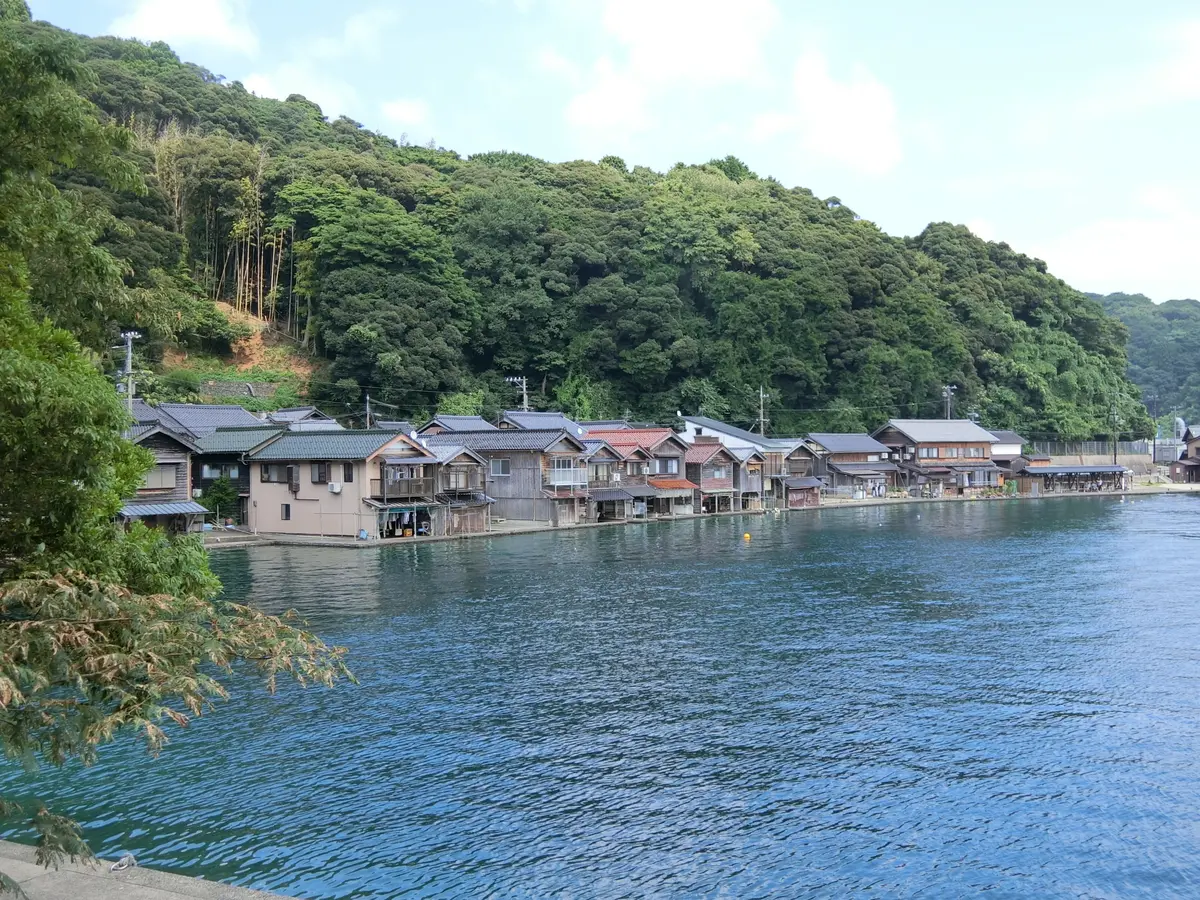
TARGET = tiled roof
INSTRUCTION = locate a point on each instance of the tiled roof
(301, 445)
(1008, 437)
(200, 419)
(673, 484)
(461, 423)
(145, 414)
(296, 414)
(317, 425)
(178, 508)
(595, 445)
(703, 451)
(401, 425)
(139, 433)
(605, 424)
(443, 453)
(625, 439)
(543, 420)
(500, 439)
(236, 440)
(848, 443)
(743, 454)
(606, 494)
(925, 431)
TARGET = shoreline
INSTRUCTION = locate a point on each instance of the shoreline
(240, 541)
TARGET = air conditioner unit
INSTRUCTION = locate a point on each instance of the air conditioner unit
(335, 487)
(197, 493)
(616, 477)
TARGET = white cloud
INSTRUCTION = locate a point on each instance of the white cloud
(364, 35)
(982, 228)
(406, 115)
(333, 96)
(664, 46)
(1152, 255)
(852, 122)
(222, 23)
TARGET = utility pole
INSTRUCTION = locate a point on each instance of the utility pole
(1116, 433)
(368, 411)
(128, 337)
(762, 411)
(523, 382)
(948, 395)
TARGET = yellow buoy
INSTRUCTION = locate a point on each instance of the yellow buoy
(746, 536)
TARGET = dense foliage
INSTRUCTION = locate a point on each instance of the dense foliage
(1164, 351)
(419, 275)
(102, 631)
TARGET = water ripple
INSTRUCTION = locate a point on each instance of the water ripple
(992, 697)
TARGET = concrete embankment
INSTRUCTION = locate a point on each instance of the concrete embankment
(79, 881)
(232, 540)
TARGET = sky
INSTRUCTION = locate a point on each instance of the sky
(1067, 129)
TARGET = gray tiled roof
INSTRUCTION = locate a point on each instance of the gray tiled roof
(145, 414)
(924, 431)
(296, 414)
(301, 445)
(443, 453)
(236, 440)
(802, 481)
(401, 425)
(529, 420)
(200, 419)
(500, 439)
(1008, 437)
(848, 443)
(462, 423)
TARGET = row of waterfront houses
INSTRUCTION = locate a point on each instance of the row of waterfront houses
(299, 472)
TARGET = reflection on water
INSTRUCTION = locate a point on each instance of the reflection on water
(932, 700)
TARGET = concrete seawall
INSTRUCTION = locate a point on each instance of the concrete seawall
(78, 881)
(225, 540)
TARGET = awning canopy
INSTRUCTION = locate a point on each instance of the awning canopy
(865, 468)
(975, 467)
(639, 490)
(176, 508)
(398, 507)
(802, 483)
(409, 460)
(606, 495)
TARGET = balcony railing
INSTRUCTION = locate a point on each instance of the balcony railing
(398, 488)
(566, 478)
(461, 482)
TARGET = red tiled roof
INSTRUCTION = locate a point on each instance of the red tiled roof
(703, 452)
(672, 484)
(628, 438)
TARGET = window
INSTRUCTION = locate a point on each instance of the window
(275, 473)
(950, 452)
(974, 452)
(211, 472)
(231, 472)
(160, 478)
(720, 471)
(664, 466)
(562, 465)
(501, 467)
(600, 471)
(207, 471)
(348, 472)
(285, 512)
(927, 452)
(320, 473)
(635, 467)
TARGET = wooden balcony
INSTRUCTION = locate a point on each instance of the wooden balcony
(402, 488)
(461, 482)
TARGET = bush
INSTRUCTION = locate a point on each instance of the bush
(221, 497)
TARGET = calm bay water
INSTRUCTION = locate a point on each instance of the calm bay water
(929, 700)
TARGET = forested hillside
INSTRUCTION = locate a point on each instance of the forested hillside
(1164, 350)
(425, 278)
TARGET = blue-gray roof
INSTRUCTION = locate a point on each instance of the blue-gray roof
(236, 440)
(529, 420)
(951, 431)
(403, 426)
(848, 443)
(321, 445)
(292, 414)
(178, 508)
(1008, 437)
(502, 439)
(200, 419)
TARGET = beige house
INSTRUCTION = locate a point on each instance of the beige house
(343, 484)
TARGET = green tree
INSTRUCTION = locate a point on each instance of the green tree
(103, 632)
